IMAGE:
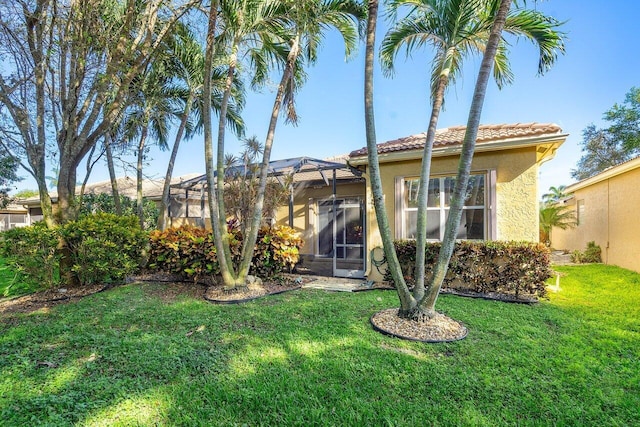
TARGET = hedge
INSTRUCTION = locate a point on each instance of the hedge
(509, 268)
(190, 251)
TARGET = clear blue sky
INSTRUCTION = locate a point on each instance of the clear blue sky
(601, 64)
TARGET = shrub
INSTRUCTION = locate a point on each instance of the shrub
(96, 203)
(593, 253)
(104, 247)
(191, 251)
(510, 268)
(184, 250)
(32, 251)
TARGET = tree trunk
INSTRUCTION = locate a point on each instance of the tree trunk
(166, 188)
(226, 271)
(222, 215)
(423, 191)
(250, 235)
(407, 302)
(112, 174)
(427, 304)
(139, 204)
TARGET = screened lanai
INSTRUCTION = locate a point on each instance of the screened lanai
(326, 205)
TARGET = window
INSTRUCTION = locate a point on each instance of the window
(579, 212)
(473, 224)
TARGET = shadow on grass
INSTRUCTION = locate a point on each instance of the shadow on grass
(128, 357)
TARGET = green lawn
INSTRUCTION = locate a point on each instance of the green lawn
(129, 357)
(11, 284)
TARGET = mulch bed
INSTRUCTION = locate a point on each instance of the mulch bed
(438, 329)
(48, 298)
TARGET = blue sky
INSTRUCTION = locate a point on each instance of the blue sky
(601, 64)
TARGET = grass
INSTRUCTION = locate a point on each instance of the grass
(129, 357)
(11, 283)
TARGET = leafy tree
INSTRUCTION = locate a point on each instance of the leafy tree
(606, 147)
(69, 69)
(8, 175)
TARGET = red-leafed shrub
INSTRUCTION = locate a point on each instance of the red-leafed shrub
(509, 268)
(191, 251)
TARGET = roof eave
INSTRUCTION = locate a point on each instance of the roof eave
(506, 144)
(605, 175)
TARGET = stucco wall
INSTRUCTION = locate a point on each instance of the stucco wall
(516, 210)
(610, 219)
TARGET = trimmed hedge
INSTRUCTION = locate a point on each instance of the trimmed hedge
(510, 268)
(104, 248)
(191, 251)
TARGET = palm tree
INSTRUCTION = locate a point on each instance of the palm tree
(148, 116)
(555, 215)
(309, 20)
(457, 29)
(293, 33)
(406, 300)
(187, 87)
(554, 195)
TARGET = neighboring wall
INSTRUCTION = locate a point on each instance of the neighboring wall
(611, 218)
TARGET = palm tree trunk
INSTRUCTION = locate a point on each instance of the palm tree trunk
(112, 174)
(251, 234)
(427, 304)
(166, 188)
(222, 217)
(226, 271)
(423, 192)
(407, 302)
(141, 144)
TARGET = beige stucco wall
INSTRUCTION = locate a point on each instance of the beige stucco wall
(610, 219)
(516, 211)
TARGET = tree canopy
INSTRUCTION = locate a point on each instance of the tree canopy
(618, 142)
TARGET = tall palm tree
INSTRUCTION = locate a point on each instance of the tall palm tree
(457, 29)
(187, 87)
(554, 195)
(148, 116)
(290, 31)
(308, 20)
(406, 299)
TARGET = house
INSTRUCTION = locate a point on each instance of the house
(606, 208)
(338, 221)
(13, 215)
(127, 186)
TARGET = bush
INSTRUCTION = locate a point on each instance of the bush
(593, 253)
(104, 247)
(32, 251)
(191, 251)
(97, 203)
(510, 268)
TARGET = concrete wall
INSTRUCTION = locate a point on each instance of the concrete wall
(611, 219)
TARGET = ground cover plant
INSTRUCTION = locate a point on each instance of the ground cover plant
(150, 355)
(12, 283)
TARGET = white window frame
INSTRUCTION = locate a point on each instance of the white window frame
(489, 219)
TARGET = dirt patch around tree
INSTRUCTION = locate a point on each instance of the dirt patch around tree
(48, 298)
(440, 328)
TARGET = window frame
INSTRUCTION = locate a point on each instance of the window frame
(489, 231)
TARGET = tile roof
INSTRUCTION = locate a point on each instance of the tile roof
(453, 136)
